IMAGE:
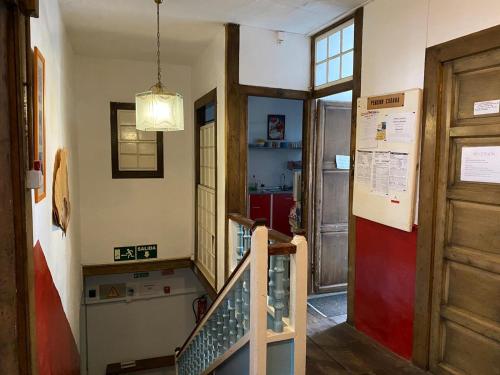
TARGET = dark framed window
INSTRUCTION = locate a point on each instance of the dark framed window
(134, 153)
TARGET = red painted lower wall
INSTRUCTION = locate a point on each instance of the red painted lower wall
(56, 348)
(385, 284)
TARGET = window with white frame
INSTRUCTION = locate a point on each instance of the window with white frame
(334, 56)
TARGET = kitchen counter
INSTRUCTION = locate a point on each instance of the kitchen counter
(251, 192)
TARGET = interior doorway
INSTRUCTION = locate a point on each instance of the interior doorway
(274, 162)
(330, 222)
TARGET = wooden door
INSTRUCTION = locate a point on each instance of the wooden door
(331, 184)
(465, 317)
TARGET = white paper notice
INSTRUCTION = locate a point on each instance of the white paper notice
(398, 173)
(364, 167)
(401, 127)
(480, 164)
(380, 172)
(486, 107)
(342, 161)
(366, 131)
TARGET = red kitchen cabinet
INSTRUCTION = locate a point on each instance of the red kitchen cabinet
(282, 204)
(260, 207)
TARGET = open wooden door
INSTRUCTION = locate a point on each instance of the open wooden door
(331, 185)
(465, 316)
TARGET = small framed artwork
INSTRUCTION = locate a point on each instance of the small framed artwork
(39, 120)
(276, 127)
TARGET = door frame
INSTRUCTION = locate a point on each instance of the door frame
(355, 86)
(435, 57)
(241, 164)
(16, 253)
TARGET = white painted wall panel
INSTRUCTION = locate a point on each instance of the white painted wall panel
(116, 212)
(450, 19)
(208, 74)
(264, 62)
(141, 328)
(48, 33)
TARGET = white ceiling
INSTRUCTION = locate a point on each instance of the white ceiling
(127, 28)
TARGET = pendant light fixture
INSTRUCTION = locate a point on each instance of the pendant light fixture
(158, 109)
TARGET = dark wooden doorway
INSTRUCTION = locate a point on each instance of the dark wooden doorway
(457, 322)
(17, 334)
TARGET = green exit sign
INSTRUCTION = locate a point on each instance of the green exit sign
(147, 251)
(124, 253)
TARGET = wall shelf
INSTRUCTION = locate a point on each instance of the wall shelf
(254, 146)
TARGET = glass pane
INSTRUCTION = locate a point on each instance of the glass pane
(345, 96)
(347, 63)
(147, 148)
(128, 133)
(334, 44)
(348, 38)
(334, 69)
(128, 148)
(320, 74)
(147, 136)
(321, 49)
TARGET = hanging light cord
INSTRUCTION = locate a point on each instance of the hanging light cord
(158, 2)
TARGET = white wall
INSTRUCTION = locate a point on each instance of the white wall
(62, 252)
(450, 19)
(144, 326)
(118, 212)
(208, 74)
(394, 42)
(396, 34)
(268, 165)
(264, 62)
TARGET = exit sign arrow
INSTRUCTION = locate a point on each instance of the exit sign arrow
(147, 251)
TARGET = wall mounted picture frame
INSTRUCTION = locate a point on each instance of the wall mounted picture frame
(39, 121)
(276, 127)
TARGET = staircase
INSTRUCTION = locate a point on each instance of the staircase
(257, 323)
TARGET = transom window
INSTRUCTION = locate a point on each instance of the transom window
(334, 56)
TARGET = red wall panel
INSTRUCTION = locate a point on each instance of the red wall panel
(56, 348)
(385, 284)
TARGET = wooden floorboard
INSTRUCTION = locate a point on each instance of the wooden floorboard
(338, 349)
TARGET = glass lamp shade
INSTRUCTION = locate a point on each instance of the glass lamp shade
(157, 110)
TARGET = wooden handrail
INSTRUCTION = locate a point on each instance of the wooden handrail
(274, 235)
(283, 246)
(216, 302)
(281, 249)
(240, 219)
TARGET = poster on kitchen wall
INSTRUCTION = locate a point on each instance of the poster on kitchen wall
(39, 121)
(276, 127)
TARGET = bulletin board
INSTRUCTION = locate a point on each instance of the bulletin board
(387, 156)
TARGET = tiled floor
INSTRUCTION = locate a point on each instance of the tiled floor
(334, 347)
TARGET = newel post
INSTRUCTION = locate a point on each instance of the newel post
(258, 301)
(298, 302)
